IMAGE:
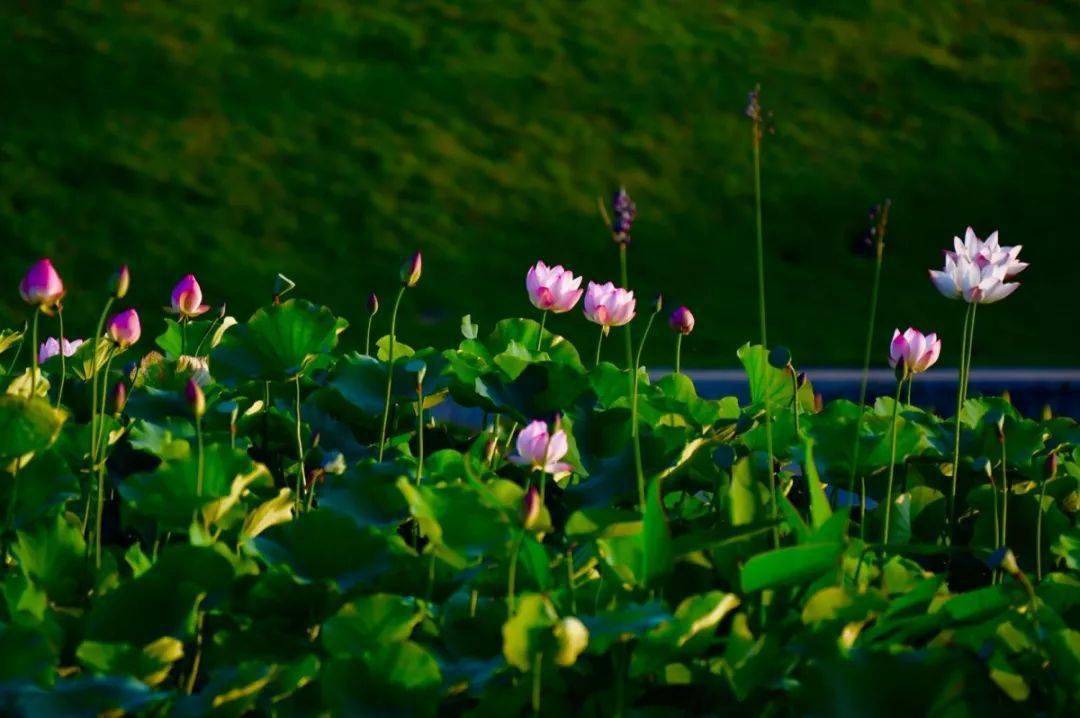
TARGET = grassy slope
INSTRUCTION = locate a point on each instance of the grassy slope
(328, 139)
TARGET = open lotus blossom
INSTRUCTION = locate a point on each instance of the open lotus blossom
(553, 289)
(124, 328)
(916, 351)
(539, 450)
(988, 253)
(51, 347)
(964, 278)
(608, 305)
(42, 285)
(681, 320)
(187, 298)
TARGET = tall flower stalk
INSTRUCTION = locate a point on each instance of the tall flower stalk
(757, 117)
(410, 276)
(879, 218)
(530, 515)
(635, 430)
(978, 272)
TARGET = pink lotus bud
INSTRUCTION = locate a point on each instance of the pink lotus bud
(1050, 467)
(913, 350)
(372, 303)
(124, 328)
(681, 320)
(539, 450)
(410, 271)
(120, 282)
(195, 398)
(530, 508)
(42, 286)
(187, 298)
(50, 348)
(608, 305)
(119, 397)
(552, 289)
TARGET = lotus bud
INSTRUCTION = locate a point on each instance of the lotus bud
(658, 303)
(187, 298)
(124, 328)
(195, 398)
(42, 286)
(1047, 413)
(571, 637)
(819, 402)
(120, 282)
(913, 352)
(530, 508)
(682, 321)
(119, 397)
(1050, 466)
(373, 304)
(410, 271)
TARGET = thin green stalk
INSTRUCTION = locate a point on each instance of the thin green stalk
(635, 432)
(63, 359)
(678, 353)
(367, 337)
(626, 285)
(94, 416)
(537, 675)
(299, 451)
(540, 336)
(9, 523)
(960, 386)
(997, 524)
(199, 471)
(599, 343)
(419, 452)
(910, 382)
(189, 686)
(390, 371)
(18, 349)
(512, 578)
(795, 401)
(760, 236)
(892, 460)
(570, 579)
(103, 400)
(1038, 529)
(34, 355)
(100, 466)
(1004, 495)
(206, 335)
(867, 350)
(970, 349)
(183, 336)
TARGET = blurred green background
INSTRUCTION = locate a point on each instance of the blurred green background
(327, 140)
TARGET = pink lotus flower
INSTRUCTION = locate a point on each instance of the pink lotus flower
(50, 348)
(539, 450)
(681, 320)
(553, 289)
(608, 305)
(124, 328)
(971, 280)
(187, 298)
(988, 252)
(42, 286)
(914, 350)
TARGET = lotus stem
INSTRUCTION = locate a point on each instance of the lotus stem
(960, 389)
(189, 686)
(183, 336)
(570, 579)
(892, 460)
(299, 452)
(879, 259)
(100, 466)
(599, 344)
(390, 371)
(367, 337)
(209, 331)
(94, 416)
(200, 466)
(34, 355)
(63, 358)
(626, 285)
(760, 236)
(678, 353)
(512, 578)
(1038, 528)
(795, 401)
(540, 336)
(910, 382)
(537, 678)
(635, 434)
(18, 349)
(1004, 494)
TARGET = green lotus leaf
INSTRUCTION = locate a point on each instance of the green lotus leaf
(277, 343)
(27, 425)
